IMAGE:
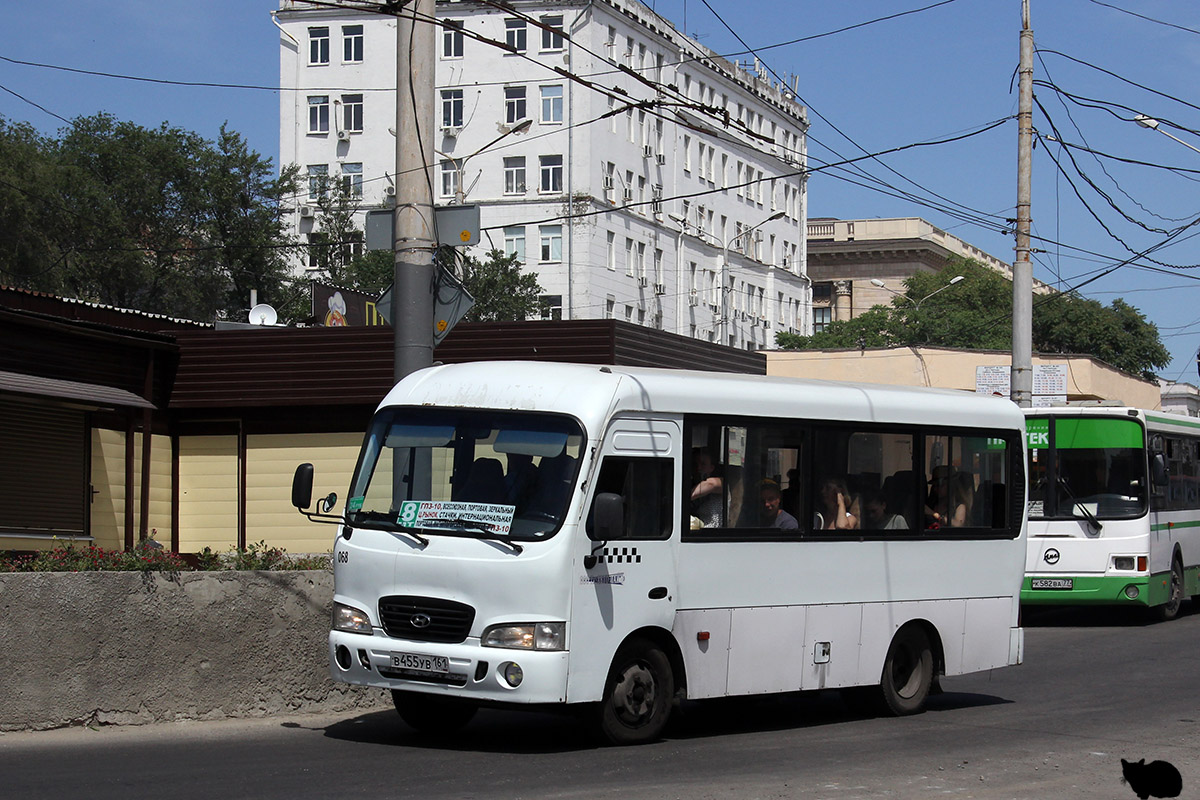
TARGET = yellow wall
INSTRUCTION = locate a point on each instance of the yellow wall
(271, 463)
(208, 493)
(108, 484)
(1087, 379)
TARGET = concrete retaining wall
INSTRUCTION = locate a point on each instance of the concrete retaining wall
(133, 648)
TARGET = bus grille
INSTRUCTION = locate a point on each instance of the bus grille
(402, 617)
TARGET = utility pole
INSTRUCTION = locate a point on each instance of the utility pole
(1021, 380)
(415, 235)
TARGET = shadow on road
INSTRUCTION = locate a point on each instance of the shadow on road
(535, 732)
(1094, 617)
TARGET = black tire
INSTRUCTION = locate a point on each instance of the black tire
(1170, 609)
(638, 695)
(907, 672)
(437, 716)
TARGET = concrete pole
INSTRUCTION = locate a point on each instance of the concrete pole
(1022, 333)
(416, 238)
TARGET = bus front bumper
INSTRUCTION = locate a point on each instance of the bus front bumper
(1097, 590)
(464, 670)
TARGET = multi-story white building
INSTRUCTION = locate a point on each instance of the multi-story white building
(634, 170)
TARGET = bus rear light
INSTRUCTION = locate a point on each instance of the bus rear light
(1141, 564)
(702, 636)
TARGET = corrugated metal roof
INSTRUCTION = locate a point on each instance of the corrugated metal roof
(351, 366)
(88, 393)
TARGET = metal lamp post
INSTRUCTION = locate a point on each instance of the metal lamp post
(725, 272)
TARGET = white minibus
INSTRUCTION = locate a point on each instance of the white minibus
(620, 539)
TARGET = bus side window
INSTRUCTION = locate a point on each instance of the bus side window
(645, 486)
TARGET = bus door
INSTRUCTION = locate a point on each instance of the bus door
(629, 583)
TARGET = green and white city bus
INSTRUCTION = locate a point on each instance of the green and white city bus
(1114, 508)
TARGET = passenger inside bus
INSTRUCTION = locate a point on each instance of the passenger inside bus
(770, 513)
(707, 484)
(836, 507)
(877, 516)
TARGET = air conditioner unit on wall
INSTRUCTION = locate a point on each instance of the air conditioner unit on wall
(661, 158)
(390, 191)
(660, 288)
(307, 211)
(343, 136)
(693, 299)
(642, 282)
(608, 181)
(451, 132)
(647, 151)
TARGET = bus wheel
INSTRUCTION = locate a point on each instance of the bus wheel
(907, 672)
(1170, 609)
(430, 714)
(637, 695)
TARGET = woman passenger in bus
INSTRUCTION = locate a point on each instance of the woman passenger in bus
(876, 515)
(836, 510)
(962, 497)
(707, 483)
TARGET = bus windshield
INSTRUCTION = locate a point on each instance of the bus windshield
(466, 472)
(1086, 467)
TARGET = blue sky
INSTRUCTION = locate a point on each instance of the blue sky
(939, 73)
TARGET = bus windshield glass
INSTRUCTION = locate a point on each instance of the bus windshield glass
(466, 472)
(1082, 467)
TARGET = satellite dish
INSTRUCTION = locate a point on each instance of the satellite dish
(263, 314)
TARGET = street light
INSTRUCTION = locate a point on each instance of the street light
(1152, 124)
(916, 303)
(725, 272)
(460, 165)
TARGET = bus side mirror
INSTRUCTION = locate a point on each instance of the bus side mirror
(1158, 470)
(302, 485)
(608, 517)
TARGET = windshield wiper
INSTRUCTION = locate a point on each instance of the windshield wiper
(475, 526)
(1088, 515)
(390, 519)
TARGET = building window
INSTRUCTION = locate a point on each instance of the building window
(352, 43)
(611, 259)
(514, 174)
(514, 242)
(551, 242)
(515, 34)
(352, 177)
(514, 104)
(552, 33)
(552, 103)
(551, 306)
(822, 316)
(352, 113)
(452, 39)
(551, 174)
(610, 177)
(318, 114)
(318, 180)
(452, 108)
(318, 46)
(449, 173)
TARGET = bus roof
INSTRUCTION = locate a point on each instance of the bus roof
(590, 392)
(1154, 420)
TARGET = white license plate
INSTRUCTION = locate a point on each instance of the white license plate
(421, 663)
(1052, 583)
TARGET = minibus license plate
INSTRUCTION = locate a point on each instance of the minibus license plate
(420, 663)
(1052, 583)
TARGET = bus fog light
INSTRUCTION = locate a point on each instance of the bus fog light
(342, 655)
(513, 674)
(1123, 562)
(1131, 592)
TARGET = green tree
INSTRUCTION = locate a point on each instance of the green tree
(501, 290)
(160, 220)
(977, 314)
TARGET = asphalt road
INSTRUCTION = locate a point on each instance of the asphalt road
(1094, 689)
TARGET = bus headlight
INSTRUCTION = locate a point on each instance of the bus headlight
(1123, 562)
(348, 618)
(531, 636)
